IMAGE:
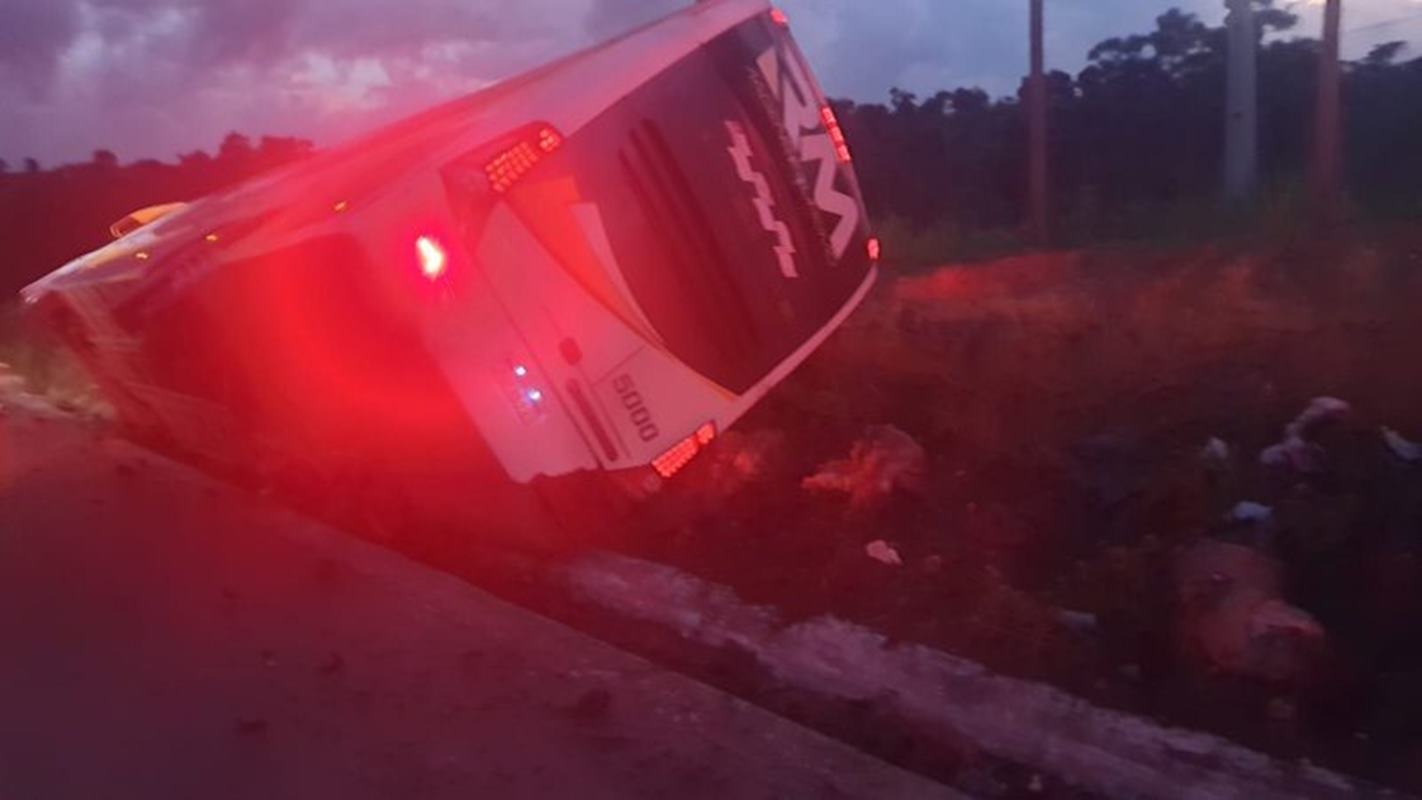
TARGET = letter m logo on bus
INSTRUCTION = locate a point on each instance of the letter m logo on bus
(804, 121)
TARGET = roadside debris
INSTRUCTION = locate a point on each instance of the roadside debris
(1409, 451)
(1296, 451)
(884, 553)
(1321, 410)
(1233, 616)
(883, 460)
(1215, 452)
(1250, 513)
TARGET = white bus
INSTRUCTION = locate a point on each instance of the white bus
(583, 273)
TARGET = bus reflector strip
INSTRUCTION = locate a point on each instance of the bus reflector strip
(505, 169)
(836, 134)
(674, 460)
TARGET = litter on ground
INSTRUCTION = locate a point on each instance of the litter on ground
(1296, 451)
(884, 553)
(883, 460)
(1215, 452)
(1408, 451)
(1234, 619)
(1250, 512)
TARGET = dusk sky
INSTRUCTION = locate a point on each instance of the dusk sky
(152, 78)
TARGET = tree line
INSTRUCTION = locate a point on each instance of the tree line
(1137, 138)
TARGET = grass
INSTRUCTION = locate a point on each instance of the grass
(48, 369)
(1063, 399)
(1279, 214)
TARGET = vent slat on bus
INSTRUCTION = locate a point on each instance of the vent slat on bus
(670, 202)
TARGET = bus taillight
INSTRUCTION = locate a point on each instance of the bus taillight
(674, 460)
(513, 162)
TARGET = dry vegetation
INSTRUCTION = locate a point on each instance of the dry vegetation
(1064, 402)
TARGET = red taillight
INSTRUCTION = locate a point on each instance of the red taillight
(549, 139)
(674, 460)
(836, 134)
(433, 259)
(505, 169)
(875, 248)
(779, 18)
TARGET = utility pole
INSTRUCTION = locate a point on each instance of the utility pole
(1328, 156)
(1037, 130)
(1242, 107)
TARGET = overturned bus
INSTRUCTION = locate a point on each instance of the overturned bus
(575, 278)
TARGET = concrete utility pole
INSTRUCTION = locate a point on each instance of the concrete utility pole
(1328, 136)
(1037, 130)
(1242, 108)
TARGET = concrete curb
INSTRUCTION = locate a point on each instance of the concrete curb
(1109, 752)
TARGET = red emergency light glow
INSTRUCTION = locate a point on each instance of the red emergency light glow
(505, 169)
(836, 134)
(875, 248)
(779, 18)
(433, 259)
(674, 460)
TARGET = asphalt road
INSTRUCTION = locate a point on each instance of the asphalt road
(162, 635)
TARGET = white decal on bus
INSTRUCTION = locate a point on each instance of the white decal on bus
(764, 202)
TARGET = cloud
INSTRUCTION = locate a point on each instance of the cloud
(32, 35)
(150, 78)
(862, 49)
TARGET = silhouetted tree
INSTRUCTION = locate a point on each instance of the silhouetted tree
(1135, 136)
(32, 166)
(194, 160)
(236, 148)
